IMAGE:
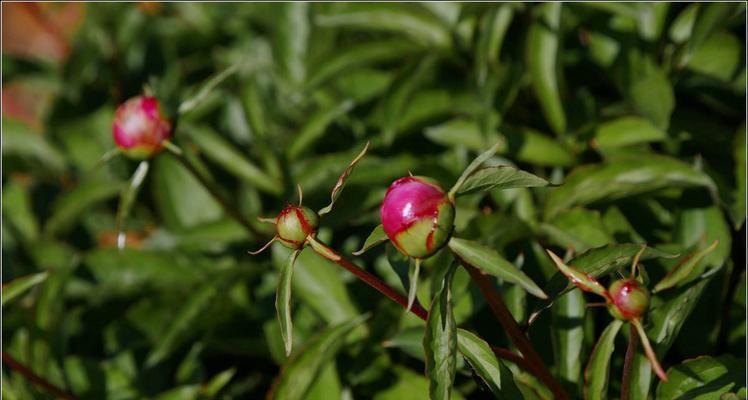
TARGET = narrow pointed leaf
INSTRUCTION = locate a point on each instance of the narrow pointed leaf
(18, 286)
(474, 165)
(490, 369)
(596, 375)
(568, 334)
(677, 276)
(490, 262)
(413, 273)
(582, 280)
(316, 126)
(376, 237)
(542, 59)
(202, 93)
(301, 371)
(648, 350)
(129, 193)
(499, 177)
(226, 155)
(283, 302)
(340, 184)
(596, 263)
(440, 341)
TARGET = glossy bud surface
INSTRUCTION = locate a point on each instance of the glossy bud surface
(417, 216)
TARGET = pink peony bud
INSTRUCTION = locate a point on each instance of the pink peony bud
(295, 224)
(628, 299)
(140, 127)
(417, 216)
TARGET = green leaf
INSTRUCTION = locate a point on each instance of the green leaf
(376, 237)
(492, 371)
(492, 29)
(719, 56)
(621, 178)
(457, 132)
(582, 280)
(318, 283)
(20, 140)
(626, 131)
(578, 229)
(396, 102)
(440, 341)
(677, 276)
(340, 184)
(20, 285)
(499, 177)
(598, 368)
(472, 167)
(283, 302)
(293, 33)
(388, 18)
(183, 324)
(595, 263)
(704, 377)
(223, 153)
(218, 382)
(543, 46)
(409, 385)
(568, 334)
(490, 262)
(315, 127)
(182, 200)
(651, 93)
(359, 55)
(127, 198)
(301, 371)
(709, 18)
(205, 90)
(529, 145)
(17, 209)
(83, 198)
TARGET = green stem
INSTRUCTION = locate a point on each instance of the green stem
(213, 190)
(512, 329)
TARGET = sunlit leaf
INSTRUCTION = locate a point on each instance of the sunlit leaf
(499, 177)
(283, 301)
(542, 52)
(597, 372)
(21, 285)
(490, 262)
(440, 341)
(492, 371)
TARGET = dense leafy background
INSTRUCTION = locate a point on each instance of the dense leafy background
(637, 108)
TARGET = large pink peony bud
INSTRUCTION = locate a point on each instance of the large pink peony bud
(140, 127)
(295, 224)
(628, 299)
(417, 216)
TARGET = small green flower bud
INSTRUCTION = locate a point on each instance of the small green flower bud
(628, 299)
(295, 224)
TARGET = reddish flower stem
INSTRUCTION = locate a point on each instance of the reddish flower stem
(628, 363)
(494, 300)
(418, 310)
(36, 379)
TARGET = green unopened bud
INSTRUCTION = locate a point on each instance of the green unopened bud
(295, 224)
(628, 299)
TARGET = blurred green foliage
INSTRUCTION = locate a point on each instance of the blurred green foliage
(636, 109)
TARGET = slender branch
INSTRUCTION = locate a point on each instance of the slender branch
(370, 279)
(214, 192)
(418, 310)
(493, 297)
(628, 363)
(36, 379)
